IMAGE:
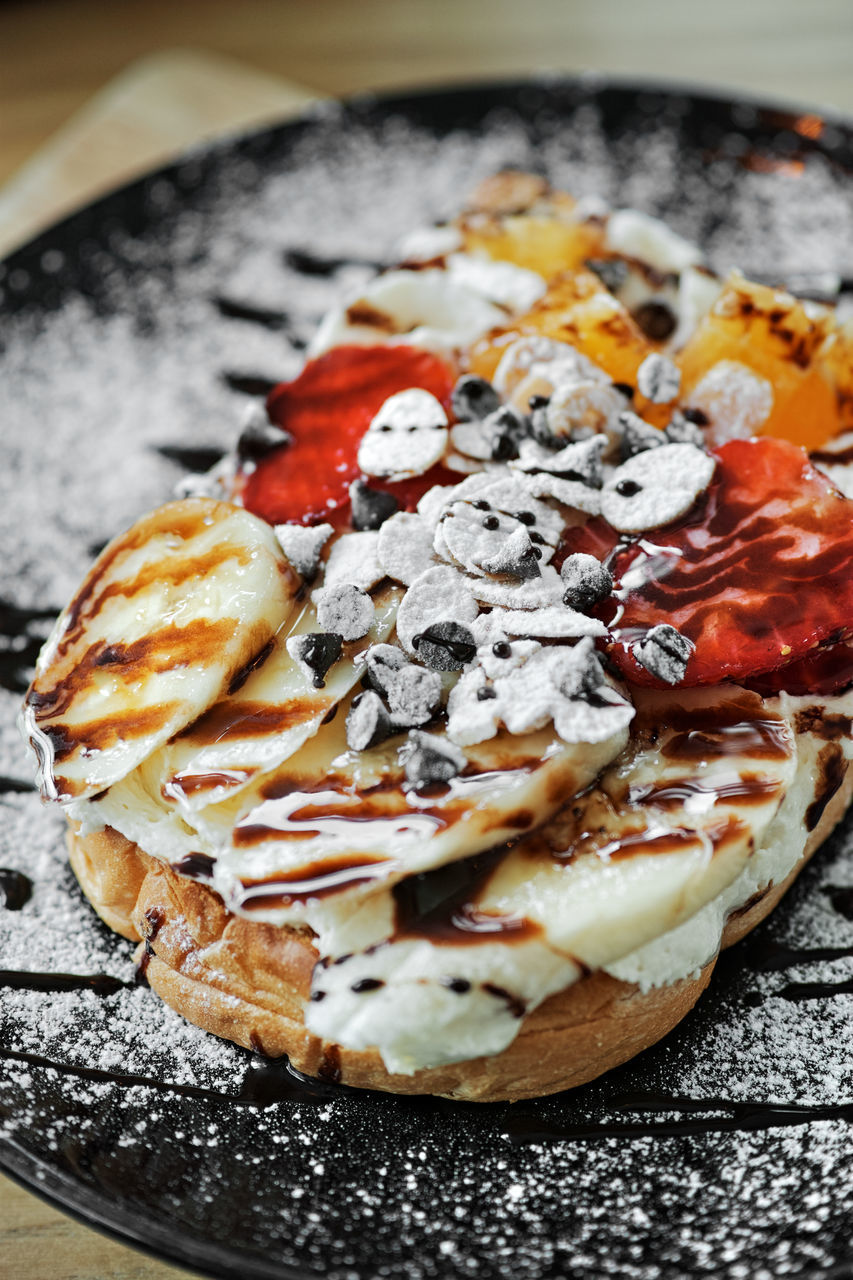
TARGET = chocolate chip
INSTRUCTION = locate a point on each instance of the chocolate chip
(501, 649)
(656, 320)
(638, 435)
(664, 652)
(625, 389)
(473, 399)
(515, 555)
(366, 984)
(382, 660)
(368, 723)
(259, 436)
(525, 517)
(445, 646)
(430, 759)
(582, 680)
(612, 272)
(458, 985)
(504, 430)
(413, 695)
(538, 402)
(315, 652)
(628, 488)
(485, 692)
(480, 504)
(370, 507)
(658, 379)
(697, 416)
(586, 581)
(681, 430)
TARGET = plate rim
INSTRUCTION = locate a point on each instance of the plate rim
(595, 81)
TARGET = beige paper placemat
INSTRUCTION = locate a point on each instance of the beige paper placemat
(143, 118)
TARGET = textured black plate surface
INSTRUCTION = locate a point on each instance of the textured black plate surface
(133, 335)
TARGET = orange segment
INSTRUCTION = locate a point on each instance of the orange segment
(836, 361)
(776, 337)
(539, 242)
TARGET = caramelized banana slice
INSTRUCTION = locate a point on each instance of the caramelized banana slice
(170, 615)
(333, 818)
(665, 829)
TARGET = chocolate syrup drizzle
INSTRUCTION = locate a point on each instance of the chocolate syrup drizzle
(21, 638)
(100, 984)
(266, 317)
(191, 457)
(250, 384)
(523, 1126)
(16, 889)
(261, 1086)
(313, 264)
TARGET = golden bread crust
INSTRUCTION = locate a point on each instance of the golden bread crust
(247, 982)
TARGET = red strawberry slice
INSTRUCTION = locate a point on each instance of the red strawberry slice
(820, 673)
(757, 576)
(327, 410)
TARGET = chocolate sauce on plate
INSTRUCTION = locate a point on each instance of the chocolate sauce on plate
(192, 457)
(249, 384)
(16, 889)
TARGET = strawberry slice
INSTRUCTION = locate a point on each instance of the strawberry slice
(758, 575)
(327, 410)
(821, 673)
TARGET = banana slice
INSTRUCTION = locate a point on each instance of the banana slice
(470, 948)
(171, 613)
(162, 804)
(261, 725)
(335, 819)
(666, 828)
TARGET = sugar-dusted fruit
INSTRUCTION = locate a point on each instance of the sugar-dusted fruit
(325, 412)
(775, 338)
(756, 576)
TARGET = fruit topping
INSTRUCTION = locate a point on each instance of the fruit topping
(325, 413)
(777, 339)
(758, 574)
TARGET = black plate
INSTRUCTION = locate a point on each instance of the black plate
(148, 321)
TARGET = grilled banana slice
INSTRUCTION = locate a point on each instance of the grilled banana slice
(172, 613)
(344, 820)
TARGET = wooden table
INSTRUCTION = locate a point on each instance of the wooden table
(55, 55)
